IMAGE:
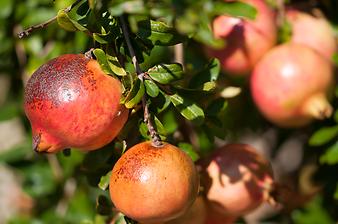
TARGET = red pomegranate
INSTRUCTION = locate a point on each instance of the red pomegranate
(290, 83)
(312, 31)
(237, 180)
(70, 102)
(154, 184)
(246, 40)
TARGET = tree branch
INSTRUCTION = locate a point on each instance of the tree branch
(156, 140)
(31, 29)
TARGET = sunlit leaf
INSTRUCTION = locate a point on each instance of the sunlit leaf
(151, 88)
(331, 155)
(135, 95)
(158, 33)
(235, 9)
(166, 73)
(67, 23)
(104, 181)
(187, 108)
(323, 135)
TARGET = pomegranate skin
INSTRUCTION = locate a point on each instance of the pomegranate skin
(154, 184)
(237, 180)
(70, 102)
(246, 40)
(195, 215)
(314, 32)
(290, 83)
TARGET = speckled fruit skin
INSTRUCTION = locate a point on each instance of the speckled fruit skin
(246, 40)
(290, 83)
(237, 180)
(70, 102)
(314, 32)
(154, 184)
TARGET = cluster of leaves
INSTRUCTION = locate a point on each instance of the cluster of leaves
(174, 94)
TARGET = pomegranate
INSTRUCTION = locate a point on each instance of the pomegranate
(70, 102)
(195, 215)
(215, 217)
(312, 31)
(153, 184)
(237, 180)
(290, 83)
(246, 40)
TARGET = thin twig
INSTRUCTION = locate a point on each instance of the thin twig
(281, 12)
(156, 140)
(31, 29)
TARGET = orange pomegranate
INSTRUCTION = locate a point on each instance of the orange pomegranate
(70, 102)
(153, 184)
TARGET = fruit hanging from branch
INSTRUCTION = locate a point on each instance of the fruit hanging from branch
(152, 184)
(246, 40)
(312, 31)
(71, 102)
(237, 180)
(290, 85)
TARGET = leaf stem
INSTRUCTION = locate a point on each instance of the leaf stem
(31, 29)
(156, 140)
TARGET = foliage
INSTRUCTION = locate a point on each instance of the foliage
(186, 102)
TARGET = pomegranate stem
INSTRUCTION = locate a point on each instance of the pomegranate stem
(156, 140)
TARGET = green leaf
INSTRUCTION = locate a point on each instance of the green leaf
(158, 33)
(187, 108)
(101, 58)
(331, 155)
(115, 66)
(209, 74)
(159, 127)
(323, 135)
(101, 38)
(166, 73)
(135, 95)
(67, 23)
(188, 148)
(235, 9)
(104, 181)
(151, 88)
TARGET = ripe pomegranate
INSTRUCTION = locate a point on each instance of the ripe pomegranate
(237, 180)
(154, 184)
(70, 102)
(195, 215)
(315, 32)
(246, 40)
(290, 83)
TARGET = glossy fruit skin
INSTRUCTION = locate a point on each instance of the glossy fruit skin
(314, 32)
(246, 40)
(237, 180)
(195, 215)
(70, 102)
(287, 83)
(154, 184)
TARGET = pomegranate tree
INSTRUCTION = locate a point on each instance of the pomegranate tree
(246, 40)
(70, 102)
(289, 85)
(237, 180)
(312, 31)
(153, 184)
